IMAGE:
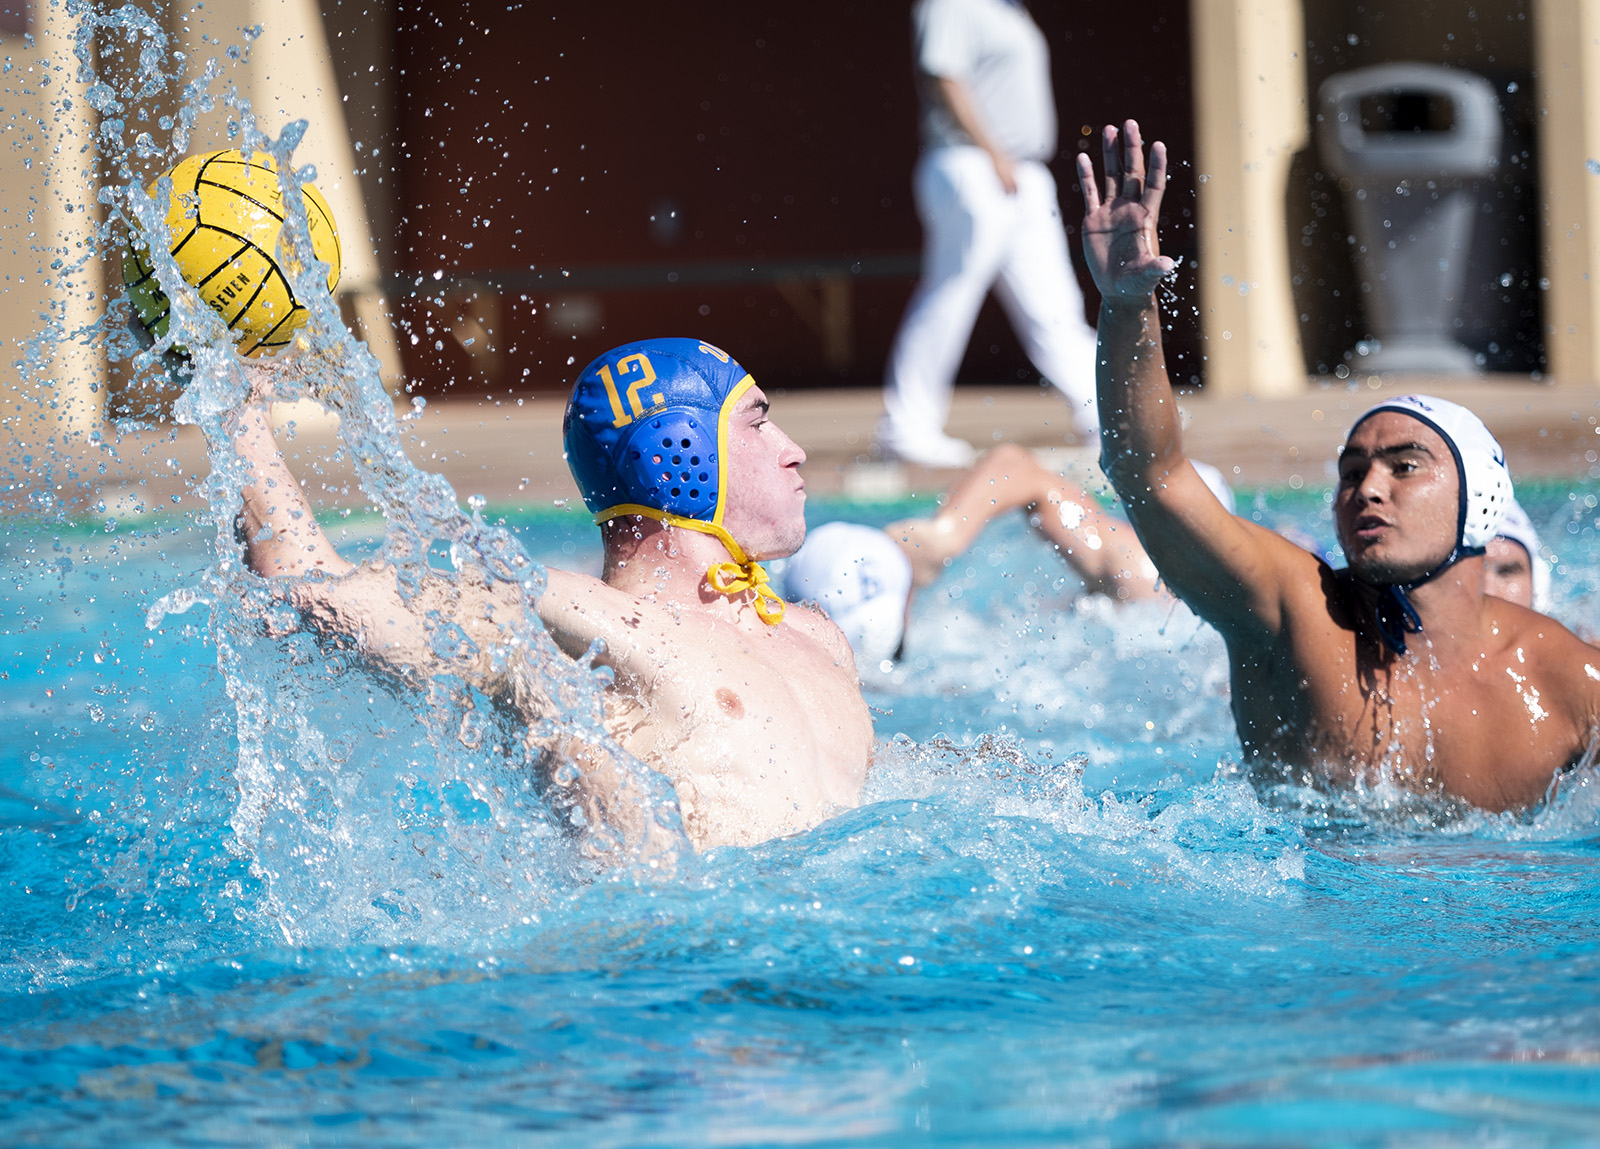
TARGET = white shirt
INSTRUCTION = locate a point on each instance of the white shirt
(996, 50)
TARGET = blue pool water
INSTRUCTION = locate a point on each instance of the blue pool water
(1063, 915)
(254, 894)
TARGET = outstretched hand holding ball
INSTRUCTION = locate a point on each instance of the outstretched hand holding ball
(224, 227)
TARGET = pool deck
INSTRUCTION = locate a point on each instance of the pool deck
(510, 452)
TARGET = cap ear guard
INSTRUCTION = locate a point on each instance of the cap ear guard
(1488, 486)
(669, 462)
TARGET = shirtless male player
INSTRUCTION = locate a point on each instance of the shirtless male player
(1400, 666)
(753, 711)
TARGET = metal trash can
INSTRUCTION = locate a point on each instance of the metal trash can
(1408, 141)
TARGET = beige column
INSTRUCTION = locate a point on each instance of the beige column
(51, 285)
(1567, 72)
(288, 75)
(1250, 119)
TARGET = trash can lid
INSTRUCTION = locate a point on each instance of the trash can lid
(1469, 146)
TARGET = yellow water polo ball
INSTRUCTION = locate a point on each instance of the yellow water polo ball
(223, 230)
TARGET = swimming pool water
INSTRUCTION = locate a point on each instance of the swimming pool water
(1064, 913)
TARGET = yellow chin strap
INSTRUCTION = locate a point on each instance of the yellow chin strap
(730, 578)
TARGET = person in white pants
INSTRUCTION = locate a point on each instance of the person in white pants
(990, 218)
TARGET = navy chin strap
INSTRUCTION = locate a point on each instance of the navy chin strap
(1396, 616)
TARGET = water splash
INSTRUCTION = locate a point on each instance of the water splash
(361, 807)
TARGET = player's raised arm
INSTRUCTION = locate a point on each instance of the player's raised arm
(276, 524)
(283, 540)
(1008, 478)
(1229, 571)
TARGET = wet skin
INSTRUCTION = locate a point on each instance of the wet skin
(1488, 704)
(762, 729)
(1007, 479)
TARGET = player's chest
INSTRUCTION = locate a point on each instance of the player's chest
(780, 687)
(1491, 731)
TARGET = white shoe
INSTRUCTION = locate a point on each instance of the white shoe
(931, 449)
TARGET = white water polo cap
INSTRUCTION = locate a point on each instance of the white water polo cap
(862, 578)
(1480, 463)
(1518, 528)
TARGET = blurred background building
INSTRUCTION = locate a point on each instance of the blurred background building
(581, 177)
(521, 186)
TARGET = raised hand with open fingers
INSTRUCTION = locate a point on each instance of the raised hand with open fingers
(1119, 227)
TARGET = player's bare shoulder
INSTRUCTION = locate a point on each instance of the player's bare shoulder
(813, 623)
(1552, 654)
(579, 608)
(1273, 590)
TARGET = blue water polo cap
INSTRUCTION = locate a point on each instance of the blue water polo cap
(646, 427)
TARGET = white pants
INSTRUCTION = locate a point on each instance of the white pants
(975, 236)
